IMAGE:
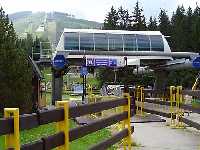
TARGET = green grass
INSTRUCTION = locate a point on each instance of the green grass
(84, 143)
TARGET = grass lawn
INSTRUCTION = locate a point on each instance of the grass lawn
(49, 129)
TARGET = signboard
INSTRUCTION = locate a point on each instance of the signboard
(78, 89)
(196, 62)
(59, 62)
(83, 71)
(101, 62)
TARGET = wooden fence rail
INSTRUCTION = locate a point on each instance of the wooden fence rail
(167, 103)
(61, 115)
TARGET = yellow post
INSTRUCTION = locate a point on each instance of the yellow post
(12, 140)
(172, 100)
(137, 98)
(179, 110)
(141, 100)
(63, 126)
(127, 122)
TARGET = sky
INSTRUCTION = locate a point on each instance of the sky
(95, 10)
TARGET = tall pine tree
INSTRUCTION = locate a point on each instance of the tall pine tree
(196, 30)
(178, 27)
(138, 19)
(123, 19)
(152, 26)
(111, 21)
(164, 23)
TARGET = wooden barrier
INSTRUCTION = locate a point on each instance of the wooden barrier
(60, 115)
(178, 93)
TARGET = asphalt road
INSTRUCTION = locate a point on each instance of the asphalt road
(159, 136)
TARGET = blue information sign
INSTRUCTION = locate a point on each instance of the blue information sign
(83, 71)
(196, 62)
(59, 62)
(78, 89)
(101, 62)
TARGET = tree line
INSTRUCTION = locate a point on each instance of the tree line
(182, 29)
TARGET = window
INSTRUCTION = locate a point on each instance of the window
(115, 42)
(156, 43)
(130, 42)
(71, 41)
(86, 41)
(143, 42)
(101, 41)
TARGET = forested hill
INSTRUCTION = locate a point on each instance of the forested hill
(52, 23)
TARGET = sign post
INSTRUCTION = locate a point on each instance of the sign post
(59, 64)
(84, 73)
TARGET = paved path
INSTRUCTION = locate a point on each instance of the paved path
(159, 136)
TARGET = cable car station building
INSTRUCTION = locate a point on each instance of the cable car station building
(117, 48)
(117, 44)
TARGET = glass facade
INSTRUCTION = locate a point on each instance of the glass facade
(143, 42)
(112, 42)
(101, 41)
(86, 41)
(115, 42)
(156, 43)
(130, 42)
(71, 41)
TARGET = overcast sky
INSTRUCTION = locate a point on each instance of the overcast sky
(93, 9)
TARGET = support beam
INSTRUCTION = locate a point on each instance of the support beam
(57, 87)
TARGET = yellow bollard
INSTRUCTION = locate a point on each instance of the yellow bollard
(127, 122)
(137, 99)
(180, 113)
(12, 140)
(141, 101)
(172, 109)
(63, 126)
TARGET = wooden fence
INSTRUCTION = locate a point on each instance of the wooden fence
(13, 123)
(169, 103)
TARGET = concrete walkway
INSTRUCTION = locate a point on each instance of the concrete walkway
(159, 136)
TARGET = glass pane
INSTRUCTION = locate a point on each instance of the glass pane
(115, 42)
(101, 42)
(130, 42)
(86, 41)
(157, 43)
(143, 42)
(71, 41)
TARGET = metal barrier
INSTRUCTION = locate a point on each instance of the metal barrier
(10, 126)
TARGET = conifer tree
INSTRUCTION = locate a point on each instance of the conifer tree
(15, 74)
(179, 34)
(138, 19)
(152, 26)
(111, 21)
(164, 23)
(196, 29)
(123, 19)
